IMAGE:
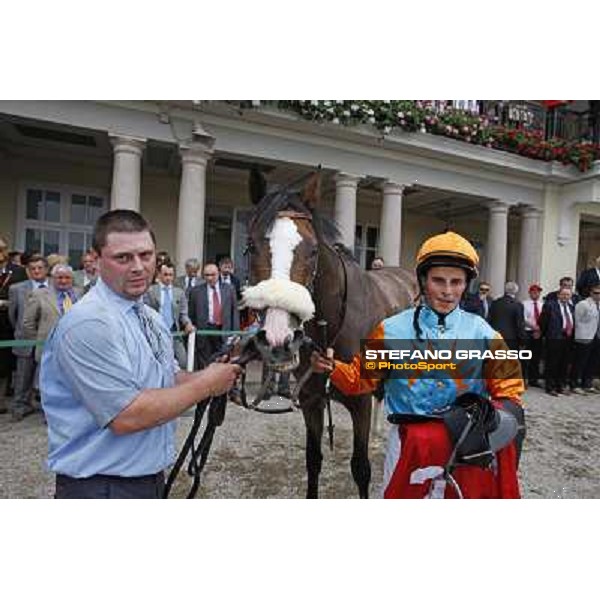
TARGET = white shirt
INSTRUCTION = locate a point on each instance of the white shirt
(563, 309)
(529, 313)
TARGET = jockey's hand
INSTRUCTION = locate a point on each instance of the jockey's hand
(322, 364)
(220, 378)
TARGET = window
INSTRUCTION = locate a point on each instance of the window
(58, 219)
(365, 244)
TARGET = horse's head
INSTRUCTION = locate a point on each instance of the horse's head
(283, 248)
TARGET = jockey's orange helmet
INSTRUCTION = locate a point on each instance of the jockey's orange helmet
(447, 250)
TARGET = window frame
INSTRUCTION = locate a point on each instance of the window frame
(361, 247)
(63, 226)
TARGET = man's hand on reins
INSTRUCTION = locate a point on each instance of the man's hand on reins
(322, 364)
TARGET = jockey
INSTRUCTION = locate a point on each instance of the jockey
(424, 409)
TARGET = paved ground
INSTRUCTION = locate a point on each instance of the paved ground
(262, 456)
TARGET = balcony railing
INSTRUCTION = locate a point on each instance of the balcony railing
(533, 129)
(560, 122)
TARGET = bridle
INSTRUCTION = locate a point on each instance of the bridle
(250, 247)
(198, 452)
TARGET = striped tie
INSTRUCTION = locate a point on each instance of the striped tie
(152, 333)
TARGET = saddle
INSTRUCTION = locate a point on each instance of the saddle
(476, 428)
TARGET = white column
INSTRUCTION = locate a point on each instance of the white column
(127, 172)
(529, 250)
(345, 207)
(192, 201)
(496, 247)
(390, 228)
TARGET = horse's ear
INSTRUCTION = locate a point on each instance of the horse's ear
(311, 195)
(258, 186)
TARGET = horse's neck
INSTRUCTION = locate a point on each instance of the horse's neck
(329, 293)
(354, 301)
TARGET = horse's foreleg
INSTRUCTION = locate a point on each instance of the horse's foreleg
(313, 417)
(360, 411)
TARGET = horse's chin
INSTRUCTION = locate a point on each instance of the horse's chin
(284, 366)
(282, 358)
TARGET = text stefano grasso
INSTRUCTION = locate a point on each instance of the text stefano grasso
(457, 354)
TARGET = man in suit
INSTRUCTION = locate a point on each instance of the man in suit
(532, 309)
(587, 341)
(480, 303)
(85, 278)
(557, 327)
(171, 303)
(45, 306)
(506, 316)
(566, 283)
(588, 279)
(37, 269)
(226, 275)
(212, 305)
(190, 279)
(9, 274)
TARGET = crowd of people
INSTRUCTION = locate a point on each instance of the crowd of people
(561, 329)
(36, 290)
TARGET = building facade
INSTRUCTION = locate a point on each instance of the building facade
(185, 166)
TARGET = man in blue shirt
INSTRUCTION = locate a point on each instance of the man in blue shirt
(110, 388)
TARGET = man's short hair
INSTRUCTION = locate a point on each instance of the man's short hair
(119, 221)
(209, 264)
(37, 258)
(60, 268)
(564, 280)
(225, 260)
(510, 287)
(167, 264)
(193, 263)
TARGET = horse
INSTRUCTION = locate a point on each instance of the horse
(301, 276)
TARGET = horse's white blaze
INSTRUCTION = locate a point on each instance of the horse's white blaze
(281, 295)
(283, 239)
(277, 326)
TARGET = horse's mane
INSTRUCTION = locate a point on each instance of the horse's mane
(326, 228)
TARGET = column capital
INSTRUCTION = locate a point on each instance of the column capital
(531, 212)
(346, 180)
(127, 144)
(498, 207)
(391, 187)
(195, 153)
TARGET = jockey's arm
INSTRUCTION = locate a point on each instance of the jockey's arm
(504, 378)
(347, 377)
